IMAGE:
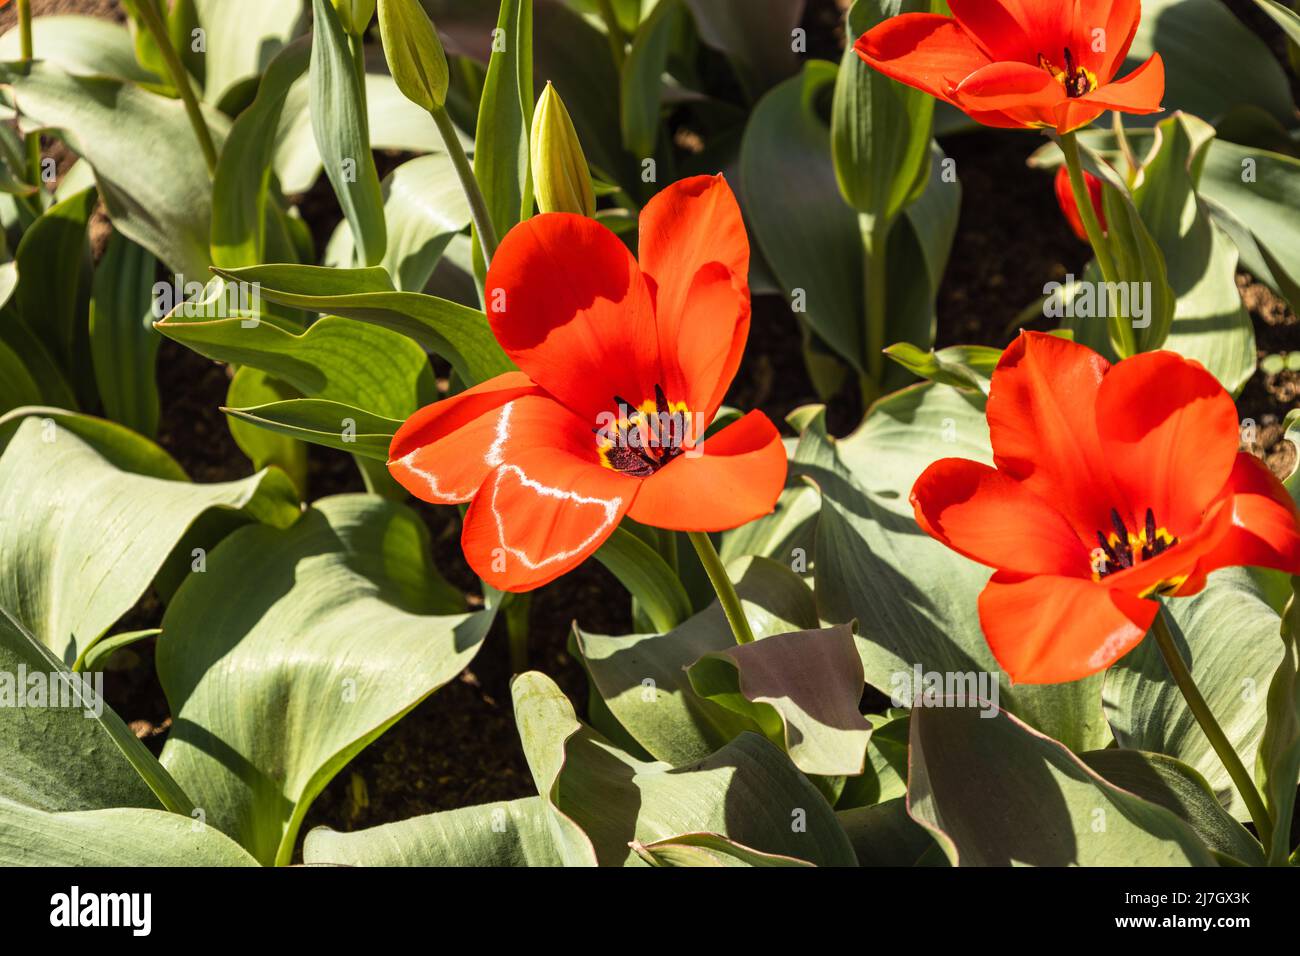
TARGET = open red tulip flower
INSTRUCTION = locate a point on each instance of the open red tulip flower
(623, 365)
(1113, 486)
(1021, 63)
(1070, 206)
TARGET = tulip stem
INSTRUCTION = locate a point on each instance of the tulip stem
(147, 11)
(1092, 226)
(25, 28)
(727, 595)
(875, 237)
(478, 210)
(517, 609)
(1205, 717)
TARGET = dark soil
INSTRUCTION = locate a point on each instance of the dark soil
(459, 746)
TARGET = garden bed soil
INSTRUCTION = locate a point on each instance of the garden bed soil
(459, 746)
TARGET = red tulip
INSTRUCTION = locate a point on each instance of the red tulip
(624, 364)
(1114, 485)
(1021, 63)
(1070, 208)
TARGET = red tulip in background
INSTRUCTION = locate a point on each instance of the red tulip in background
(1021, 63)
(1114, 485)
(1070, 207)
(623, 364)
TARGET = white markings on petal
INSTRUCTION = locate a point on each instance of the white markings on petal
(494, 456)
(611, 507)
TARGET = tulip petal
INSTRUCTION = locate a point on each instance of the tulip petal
(924, 50)
(994, 28)
(1042, 424)
(1169, 433)
(695, 254)
(1140, 92)
(1264, 531)
(981, 513)
(541, 514)
(1025, 93)
(443, 452)
(738, 478)
(1050, 630)
(570, 306)
(1119, 20)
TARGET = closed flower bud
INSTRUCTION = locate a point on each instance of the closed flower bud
(414, 53)
(355, 15)
(560, 175)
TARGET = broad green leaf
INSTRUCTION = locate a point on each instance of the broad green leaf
(883, 834)
(424, 208)
(17, 384)
(338, 117)
(455, 332)
(242, 38)
(885, 776)
(709, 850)
(1037, 804)
(880, 129)
(341, 626)
(754, 34)
(914, 599)
(338, 359)
(515, 833)
(91, 536)
(84, 46)
(647, 577)
(111, 767)
(123, 341)
(1241, 71)
(642, 81)
(322, 422)
(50, 259)
(1181, 790)
(117, 837)
(1283, 16)
(801, 688)
(501, 160)
(164, 204)
(642, 677)
(252, 387)
(241, 189)
(1227, 634)
(1277, 765)
(600, 799)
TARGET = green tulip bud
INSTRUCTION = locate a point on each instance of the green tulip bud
(560, 177)
(355, 15)
(414, 53)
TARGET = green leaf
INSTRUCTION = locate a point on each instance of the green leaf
(17, 385)
(642, 677)
(915, 600)
(1277, 765)
(50, 259)
(241, 189)
(1147, 711)
(338, 359)
(455, 332)
(323, 422)
(1037, 803)
(1283, 16)
(501, 159)
(961, 366)
(112, 767)
(118, 837)
(123, 342)
(111, 124)
(97, 657)
(707, 849)
(338, 118)
(341, 627)
(252, 386)
(242, 37)
(884, 835)
(601, 799)
(1241, 72)
(647, 577)
(801, 688)
(84, 46)
(880, 129)
(754, 34)
(1181, 790)
(642, 80)
(90, 536)
(414, 53)
(514, 833)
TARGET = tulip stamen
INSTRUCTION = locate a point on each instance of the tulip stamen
(1077, 80)
(1124, 550)
(643, 438)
